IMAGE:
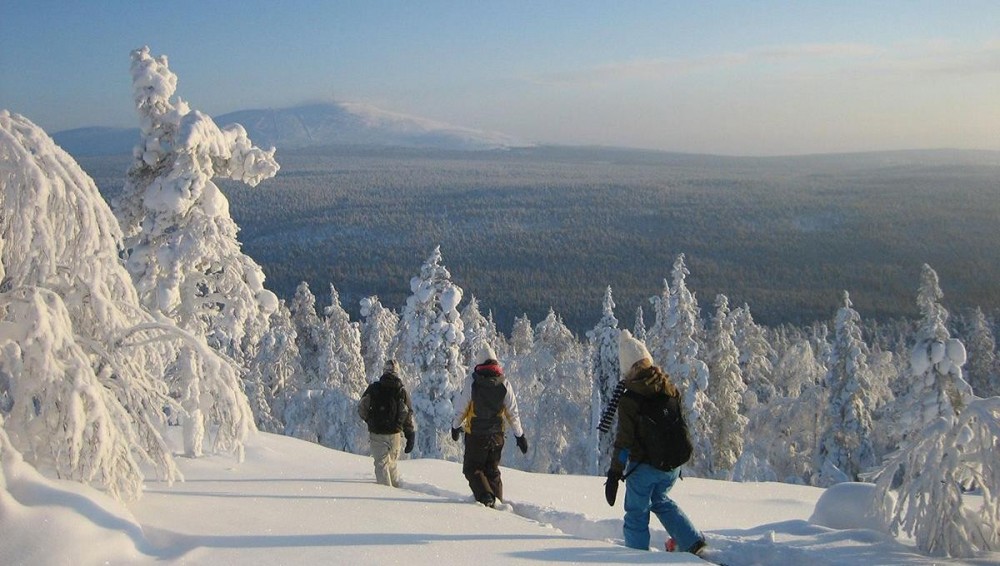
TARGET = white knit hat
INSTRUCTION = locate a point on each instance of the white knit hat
(485, 353)
(630, 351)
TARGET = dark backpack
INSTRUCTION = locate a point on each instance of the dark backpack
(662, 432)
(386, 410)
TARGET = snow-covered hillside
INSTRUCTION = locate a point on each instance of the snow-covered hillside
(321, 124)
(293, 502)
(358, 123)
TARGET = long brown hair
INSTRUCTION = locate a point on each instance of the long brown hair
(644, 370)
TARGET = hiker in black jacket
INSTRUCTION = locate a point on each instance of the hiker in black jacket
(386, 409)
(486, 404)
(646, 487)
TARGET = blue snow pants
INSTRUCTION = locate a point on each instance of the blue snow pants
(646, 490)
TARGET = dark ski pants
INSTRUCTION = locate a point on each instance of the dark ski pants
(481, 465)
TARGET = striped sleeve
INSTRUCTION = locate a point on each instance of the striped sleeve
(608, 416)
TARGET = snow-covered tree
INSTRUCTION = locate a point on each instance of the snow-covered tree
(983, 367)
(478, 331)
(345, 375)
(937, 387)
(276, 371)
(342, 350)
(951, 444)
(560, 411)
(86, 368)
(310, 336)
(934, 471)
(657, 336)
(431, 335)
(522, 336)
(798, 368)
(639, 326)
(677, 327)
(845, 448)
(378, 329)
(324, 407)
(725, 389)
(180, 240)
(783, 433)
(756, 355)
(605, 372)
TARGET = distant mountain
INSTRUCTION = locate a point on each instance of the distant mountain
(358, 124)
(86, 142)
(339, 123)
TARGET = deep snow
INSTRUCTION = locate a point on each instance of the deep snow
(292, 502)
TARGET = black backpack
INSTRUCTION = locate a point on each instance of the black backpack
(662, 432)
(386, 410)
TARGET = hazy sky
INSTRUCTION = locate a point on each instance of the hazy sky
(732, 77)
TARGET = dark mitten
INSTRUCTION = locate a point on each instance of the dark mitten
(611, 486)
(454, 433)
(522, 443)
(409, 442)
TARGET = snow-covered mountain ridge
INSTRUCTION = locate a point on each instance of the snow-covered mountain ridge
(312, 125)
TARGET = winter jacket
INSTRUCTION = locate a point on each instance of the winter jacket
(487, 402)
(646, 381)
(393, 382)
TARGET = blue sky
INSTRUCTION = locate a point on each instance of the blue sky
(731, 77)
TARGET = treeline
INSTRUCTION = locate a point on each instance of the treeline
(526, 230)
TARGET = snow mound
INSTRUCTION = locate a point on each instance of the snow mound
(847, 506)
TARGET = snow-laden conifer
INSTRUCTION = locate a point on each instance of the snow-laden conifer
(845, 448)
(725, 389)
(605, 372)
(478, 331)
(180, 240)
(562, 420)
(657, 336)
(934, 471)
(431, 335)
(756, 357)
(345, 376)
(276, 371)
(639, 326)
(937, 386)
(783, 433)
(950, 445)
(345, 367)
(983, 368)
(87, 367)
(677, 327)
(522, 336)
(310, 336)
(378, 329)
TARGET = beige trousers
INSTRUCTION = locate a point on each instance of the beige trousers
(385, 450)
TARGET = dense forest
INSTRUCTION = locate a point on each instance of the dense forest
(528, 229)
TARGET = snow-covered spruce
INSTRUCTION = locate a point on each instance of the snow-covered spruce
(603, 339)
(430, 336)
(88, 369)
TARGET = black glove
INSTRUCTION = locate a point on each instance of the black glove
(409, 442)
(454, 433)
(522, 443)
(611, 486)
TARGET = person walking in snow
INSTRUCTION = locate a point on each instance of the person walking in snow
(386, 409)
(486, 403)
(646, 486)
